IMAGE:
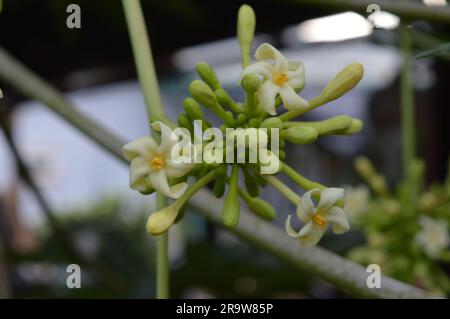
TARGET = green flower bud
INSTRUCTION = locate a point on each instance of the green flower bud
(299, 134)
(251, 83)
(272, 122)
(219, 186)
(364, 166)
(378, 183)
(342, 83)
(227, 101)
(282, 155)
(200, 91)
(355, 127)
(246, 25)
(261, 208)
(184, 121)
(207, 74)
(192, 109)
(241, 119)
(254, 122)
(231, 208)
(250, 185)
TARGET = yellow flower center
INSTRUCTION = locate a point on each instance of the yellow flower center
(157, 163)
(318, 219)
(280, 78)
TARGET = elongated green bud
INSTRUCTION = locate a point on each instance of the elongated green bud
(282, 155)
(364, 166)
(342, 83)
(231, 209)
(241, 119)
(355, 127)
(219, 186)
(251, 83)
(203, 94)
(227, 101)
(272, 122)
(207, 74)
(378, 184)
(300, 135)
(262, 208)
(250, 185)
(184, 121)
(246, 25)
(192, 109)
(254, 122)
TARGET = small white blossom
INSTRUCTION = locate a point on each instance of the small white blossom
(281, 76)
(317, 218)
(433, 236)
(151, 165)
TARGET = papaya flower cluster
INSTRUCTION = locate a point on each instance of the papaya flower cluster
(415, 230)
(272, 85)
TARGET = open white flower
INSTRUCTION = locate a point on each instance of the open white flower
(317, 218)
(281, 77)
(152, 164)
(433, 237)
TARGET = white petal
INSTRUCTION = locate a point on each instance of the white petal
(296, 75)
(289, 230)
(264, 69)
(314, 235)
(329, 197)
(267, 52)
(174, 170)
(159, 182)
(305, 208)
(168, 138)
(143, 146)
(306, 229)
(339, 219)
(291, 100)
(266, 96)
(139, 169)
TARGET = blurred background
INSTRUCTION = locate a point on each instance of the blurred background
(81, 210)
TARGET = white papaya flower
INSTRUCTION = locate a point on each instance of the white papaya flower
(433, 236)
(151, 165)
(281, 76)
(316, 218)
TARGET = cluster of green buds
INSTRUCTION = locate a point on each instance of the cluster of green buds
(256, 133)
(407, 238)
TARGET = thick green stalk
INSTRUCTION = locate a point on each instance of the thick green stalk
(299, 179)
(149, 83)
(407, 111)
(283, 189)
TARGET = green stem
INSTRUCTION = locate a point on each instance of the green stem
(149, 83)
(283, 189)
(407, 107)
(299, 179)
